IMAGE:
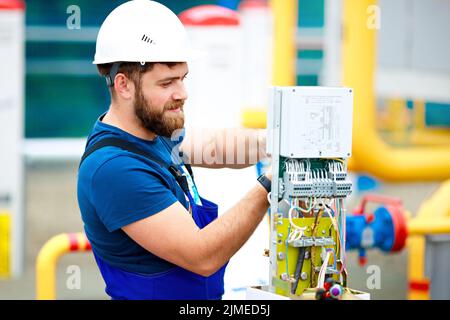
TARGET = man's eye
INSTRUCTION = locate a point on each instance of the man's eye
(166, 84)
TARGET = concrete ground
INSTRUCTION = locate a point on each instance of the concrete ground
(51, 208)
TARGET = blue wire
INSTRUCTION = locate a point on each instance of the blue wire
(332, 212)
(299, 212)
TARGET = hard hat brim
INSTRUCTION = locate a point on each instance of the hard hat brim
(190, 55)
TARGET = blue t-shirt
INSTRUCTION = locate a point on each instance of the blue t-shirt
(117, 188)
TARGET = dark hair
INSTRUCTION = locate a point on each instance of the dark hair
(133, 70)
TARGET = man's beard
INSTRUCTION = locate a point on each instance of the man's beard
(162, 123)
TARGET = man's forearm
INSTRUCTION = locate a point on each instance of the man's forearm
(225, 148)
(222, 238)
(248, 146)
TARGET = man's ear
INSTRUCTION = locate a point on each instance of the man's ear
(123, 86)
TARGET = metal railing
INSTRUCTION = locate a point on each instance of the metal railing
(48, 258)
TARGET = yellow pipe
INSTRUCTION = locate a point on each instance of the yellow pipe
(416, 269)
(436, 207)
(397, 123)
(433, 216)
(369, 152)
(424, 227)
(284, 14)
(254, 118)
(5, 244)
(48, 257)
(430, 137)
(397, 114)
(419, 114)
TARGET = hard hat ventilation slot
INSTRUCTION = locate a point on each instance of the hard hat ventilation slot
(147, 39)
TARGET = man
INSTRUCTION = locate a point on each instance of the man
(152, 235)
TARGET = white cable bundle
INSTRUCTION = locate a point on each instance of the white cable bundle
(308, 171)
(292, 169)
(323, 270)
(297, 231)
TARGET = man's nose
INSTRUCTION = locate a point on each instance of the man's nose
(180, 93)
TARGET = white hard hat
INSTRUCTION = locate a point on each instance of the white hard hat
(143, 31)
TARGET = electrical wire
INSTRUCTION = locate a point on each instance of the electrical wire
(328, 210)
(334, 256)
(341, 234)
(323, 268)
(297, 232)
(310, 206)
(336, 159)
(343, 229)
(301, 171)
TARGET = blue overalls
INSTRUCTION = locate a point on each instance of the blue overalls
(173, 284)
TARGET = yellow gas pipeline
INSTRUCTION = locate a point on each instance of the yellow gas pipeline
(370, 153)
(433, 218)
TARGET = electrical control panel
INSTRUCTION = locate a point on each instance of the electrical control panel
(317, 121)
(309, 139)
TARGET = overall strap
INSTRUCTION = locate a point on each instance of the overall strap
(128, 146)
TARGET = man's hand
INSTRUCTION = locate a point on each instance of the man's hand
(269, 173)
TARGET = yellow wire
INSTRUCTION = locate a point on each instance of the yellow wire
(336, 159)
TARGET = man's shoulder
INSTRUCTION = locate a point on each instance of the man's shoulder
(113, 160)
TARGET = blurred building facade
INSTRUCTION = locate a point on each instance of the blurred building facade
(64, 94)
